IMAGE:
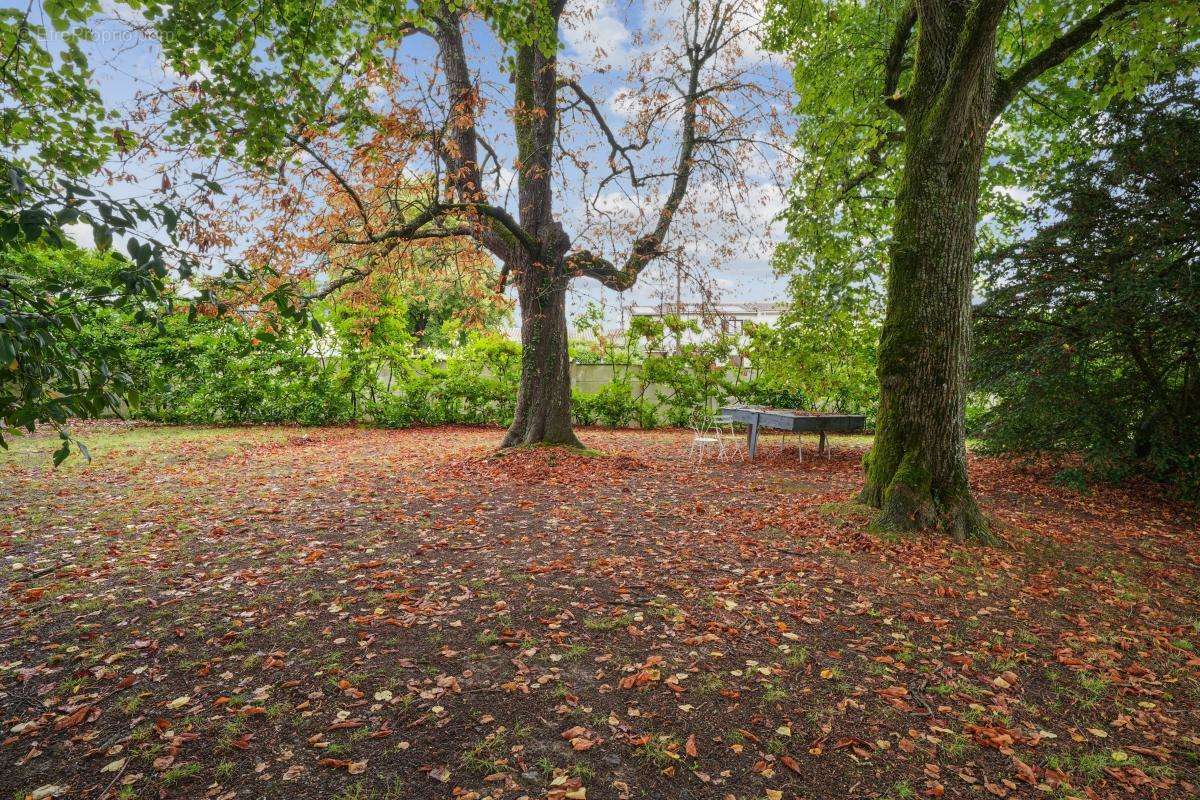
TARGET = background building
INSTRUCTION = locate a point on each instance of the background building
(713, 319)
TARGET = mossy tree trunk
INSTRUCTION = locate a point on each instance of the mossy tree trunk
(543, 413)
(917, 470)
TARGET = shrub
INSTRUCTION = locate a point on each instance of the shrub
(614, 405)
(1089, 332)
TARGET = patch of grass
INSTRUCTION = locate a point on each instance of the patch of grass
(788, 588)
(608, 623)
(660, 750)
(374, 790)
(1094, 688)
(668, 612)
(956, 745)
(574, 652)
(336, 749)
(1092, 765)
(796, 657)
(545, 766)
(484, 757)
(179, 774)
(774, 692)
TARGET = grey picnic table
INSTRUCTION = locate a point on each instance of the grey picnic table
(755, 417)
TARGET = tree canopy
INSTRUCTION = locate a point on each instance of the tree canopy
(1059, 63)
(425, 137)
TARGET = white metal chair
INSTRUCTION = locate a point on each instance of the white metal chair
(706, 433)
(783, 444)
(724, 424)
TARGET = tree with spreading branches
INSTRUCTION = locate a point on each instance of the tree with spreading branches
(897, 101)
(510, 142)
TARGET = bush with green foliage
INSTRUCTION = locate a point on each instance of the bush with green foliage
(51, 366)
(367, 365)
(614, 405)
(225, 371)
(1088, 339)
(822, 353)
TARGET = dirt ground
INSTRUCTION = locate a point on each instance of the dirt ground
(367, 615)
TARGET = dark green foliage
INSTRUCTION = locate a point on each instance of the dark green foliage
(614, 405)
(474, 384)
(223, 371)
(1089, 335)
(50, 368)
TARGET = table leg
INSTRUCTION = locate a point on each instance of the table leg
(824, 446)
(752, 439)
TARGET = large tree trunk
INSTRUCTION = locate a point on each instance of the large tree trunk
(543, 413)
(917, 470)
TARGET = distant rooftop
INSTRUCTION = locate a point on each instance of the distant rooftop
(708, 309)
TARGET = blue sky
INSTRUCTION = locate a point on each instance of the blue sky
(601, 40)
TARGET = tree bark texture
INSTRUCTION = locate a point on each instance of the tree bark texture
(543, 413)
(917, 470)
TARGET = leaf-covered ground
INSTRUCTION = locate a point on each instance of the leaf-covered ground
(340, 613)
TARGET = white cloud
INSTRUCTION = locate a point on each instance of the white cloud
(1017, 193)
(81, 234)
(623, 102)
(596, 35)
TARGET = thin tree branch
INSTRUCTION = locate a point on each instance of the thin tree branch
(894, 64)
(699, 49)
(875, 158)
(618, 149)
(304, 145)
(1056, 52)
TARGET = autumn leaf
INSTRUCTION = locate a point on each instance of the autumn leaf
(76, 717)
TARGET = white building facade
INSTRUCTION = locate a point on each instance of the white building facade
(713, 319)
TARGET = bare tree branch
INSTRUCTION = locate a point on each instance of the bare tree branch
(699, 48)
(618, 149)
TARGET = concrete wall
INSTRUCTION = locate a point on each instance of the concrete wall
(589, 378)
